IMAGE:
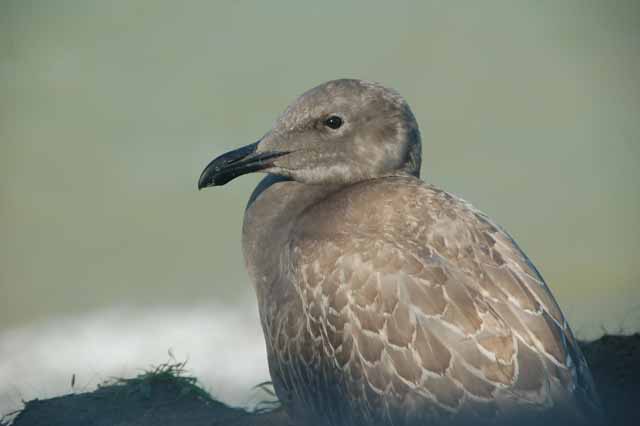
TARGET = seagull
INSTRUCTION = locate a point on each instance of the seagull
(385, 300)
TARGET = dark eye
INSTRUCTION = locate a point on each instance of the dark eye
(333, 122)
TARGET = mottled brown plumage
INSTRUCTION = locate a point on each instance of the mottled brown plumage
(387, 301)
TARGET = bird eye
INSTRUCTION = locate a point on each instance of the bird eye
(333, 122)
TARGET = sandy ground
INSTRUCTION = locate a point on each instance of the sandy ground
(165, 397)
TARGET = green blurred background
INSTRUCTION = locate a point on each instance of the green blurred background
(109, 110)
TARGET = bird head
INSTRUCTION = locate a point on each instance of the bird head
(341, 132)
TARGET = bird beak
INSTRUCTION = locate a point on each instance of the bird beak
(236, 163)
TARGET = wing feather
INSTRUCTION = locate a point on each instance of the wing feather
(450, 315)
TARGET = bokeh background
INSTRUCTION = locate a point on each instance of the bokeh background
(109, 257)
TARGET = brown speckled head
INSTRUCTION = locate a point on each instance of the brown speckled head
(341, 132)
(377, 134)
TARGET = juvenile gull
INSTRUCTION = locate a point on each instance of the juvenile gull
(385, 300)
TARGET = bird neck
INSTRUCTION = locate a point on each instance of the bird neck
(269, 217)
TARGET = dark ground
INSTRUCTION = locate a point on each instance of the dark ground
(165, 396)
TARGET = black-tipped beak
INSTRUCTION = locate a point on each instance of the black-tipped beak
(236, 163)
